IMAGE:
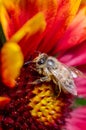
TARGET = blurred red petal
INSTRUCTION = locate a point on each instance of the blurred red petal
(49, 8)
(81, 87)
(77, 120)
(75, 34)
(64, 15)
(75, 56)
(31, 44)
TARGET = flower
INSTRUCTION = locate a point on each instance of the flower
(53, 27)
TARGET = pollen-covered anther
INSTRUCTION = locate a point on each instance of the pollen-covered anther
(46, 107)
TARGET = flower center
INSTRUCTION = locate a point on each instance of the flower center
(34, 107)
(46, 106)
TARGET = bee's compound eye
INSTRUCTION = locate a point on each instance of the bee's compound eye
(41, 61)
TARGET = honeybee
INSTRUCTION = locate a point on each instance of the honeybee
(53, 70)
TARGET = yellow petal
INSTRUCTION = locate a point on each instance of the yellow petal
(74, 6)
(12, 61)
(4, 18)
(35, 24)
(4, 15)
(9, 3)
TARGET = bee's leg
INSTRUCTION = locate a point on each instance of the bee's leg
(42, 79)
(59, 85)
(33, 68)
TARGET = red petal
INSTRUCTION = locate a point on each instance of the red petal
(81, 86)
(65, 13)
(75, 56)
(77, 121)
(75, 34)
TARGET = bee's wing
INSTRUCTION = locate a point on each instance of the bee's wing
(67, 84)
(76, 73)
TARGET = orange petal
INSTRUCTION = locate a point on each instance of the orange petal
(11, 61)
(4, 101)
(83, 3)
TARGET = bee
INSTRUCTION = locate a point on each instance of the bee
(53, 70)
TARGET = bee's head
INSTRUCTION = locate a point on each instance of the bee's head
(40, 60)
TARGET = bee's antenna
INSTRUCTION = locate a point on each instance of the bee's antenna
(28, 62)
